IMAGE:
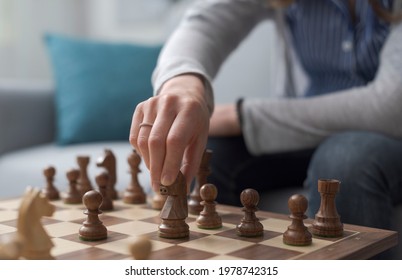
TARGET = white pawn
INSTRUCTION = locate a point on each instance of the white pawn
(141, 248)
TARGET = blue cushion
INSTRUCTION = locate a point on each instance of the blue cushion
(98, 86)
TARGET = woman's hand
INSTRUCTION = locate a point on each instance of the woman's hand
(170, 130)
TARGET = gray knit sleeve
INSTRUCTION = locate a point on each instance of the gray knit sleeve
(208, 33)
(272, 125)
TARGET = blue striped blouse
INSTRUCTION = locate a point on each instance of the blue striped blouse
(336, 52)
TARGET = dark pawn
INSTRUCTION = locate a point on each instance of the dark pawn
(73, 196)
(102, 181)
(250, 225)
(50, 190)
(84, 184)
(297, 233)
(92, 228)
(134, 194)
(208, 217)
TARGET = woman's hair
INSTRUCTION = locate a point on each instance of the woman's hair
(379, 10)
(383, 13)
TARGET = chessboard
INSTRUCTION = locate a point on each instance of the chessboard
(126, 222)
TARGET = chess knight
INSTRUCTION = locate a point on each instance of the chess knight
(175, 210)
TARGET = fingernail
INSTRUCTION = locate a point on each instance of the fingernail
(167, 180)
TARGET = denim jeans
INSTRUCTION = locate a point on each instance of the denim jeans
(369, 166)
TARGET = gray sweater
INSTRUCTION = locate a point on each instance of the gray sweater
(213, 28)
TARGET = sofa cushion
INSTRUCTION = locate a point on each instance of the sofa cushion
(98, 85)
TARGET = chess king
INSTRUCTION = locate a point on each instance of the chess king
(175, 210)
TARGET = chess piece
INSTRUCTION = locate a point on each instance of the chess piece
(36, 243)
(102, 181)
(250, 225)
(92, 228)
(73, 196)
(134, 193)
(208, 217)
(194, 203)
(175, 210)
(11, 248)
(297, 233)
(158, 200)
(108, 161)
(50, 191)
(327, 222)
(84, 184)
(141, 248)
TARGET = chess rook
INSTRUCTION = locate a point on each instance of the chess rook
(92, 228)
(208, 217)
(327, 221)
(250, 225)
(297, 233)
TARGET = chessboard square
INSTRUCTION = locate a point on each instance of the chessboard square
(6, 215)
(277, 225)
(159, 245)
(233, 234)
(261, 252)
(225, 257)
(225, 227)
(181, 253)
(231, 218)
(133, 228)
(63, 246)
(62, 229)
(120, 246)
(12, 204)
(69, 215)
(315, 245)
(193, 236)
(60, 205)
(346, 233)
(6, 229)
(111, 237)
(105, 219)
(215, 244)
(92, 253)
(135, 213)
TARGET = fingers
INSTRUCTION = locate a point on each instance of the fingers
(141, 127)
(185, 144)
(192, 160)
(180, 120)
(157, 146)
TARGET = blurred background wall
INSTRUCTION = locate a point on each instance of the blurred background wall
(23, 58)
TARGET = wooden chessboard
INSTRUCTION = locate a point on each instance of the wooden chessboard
(129, 221)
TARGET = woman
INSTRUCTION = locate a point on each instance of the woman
(343, 124)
